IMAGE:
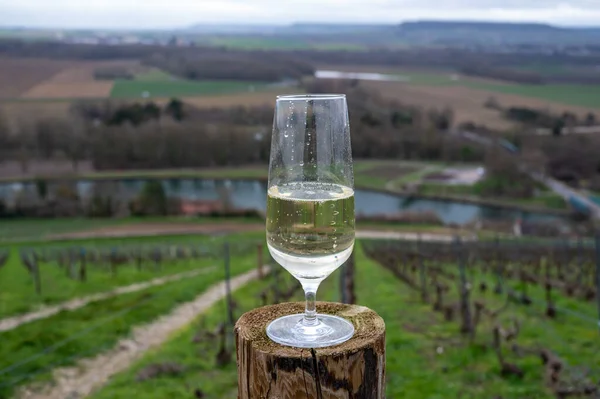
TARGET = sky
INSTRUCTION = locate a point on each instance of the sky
(144, 14)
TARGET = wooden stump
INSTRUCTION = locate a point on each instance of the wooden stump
(352, 370)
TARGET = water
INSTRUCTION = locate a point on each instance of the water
(252, 194)
(327, 74)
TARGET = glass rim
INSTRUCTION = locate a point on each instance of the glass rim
(311, 97)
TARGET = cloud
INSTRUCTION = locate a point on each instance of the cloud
(180, 13)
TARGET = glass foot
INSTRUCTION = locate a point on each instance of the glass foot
(326, 331)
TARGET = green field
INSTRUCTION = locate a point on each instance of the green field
(426, 357)
(581, 95)
(545, 199)
(278, 43)
(433, 78)
(32, 230)
(545, 69)
(179, 88)
(154, 75)
(98, 326)
(259, 43)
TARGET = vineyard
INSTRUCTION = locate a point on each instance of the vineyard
(54, 273)
(514, 302)
(489, 319)
(85, 318)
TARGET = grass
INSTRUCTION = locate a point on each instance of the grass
(580, 95)
(545, 69)
(198, 359)
(545, 199)
(178, 88)
(154, 75)
(17, 294)
(369, 182)
(34, 229)
(258, 43)
(429, 78)
(414, 177)
(371, 173)
(446, 189)
(426, 358)
(95, 327)
(277, 43)
(416, 369)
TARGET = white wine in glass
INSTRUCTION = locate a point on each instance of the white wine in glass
(310, 208)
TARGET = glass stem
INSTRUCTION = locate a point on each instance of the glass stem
(310, 312)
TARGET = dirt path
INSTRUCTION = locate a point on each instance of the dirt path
(158, 229)
(399, 235)
(150, 229)
(73, 304)
(90, 374)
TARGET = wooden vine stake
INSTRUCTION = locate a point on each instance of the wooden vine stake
(352, 370)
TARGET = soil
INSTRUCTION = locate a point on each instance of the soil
(99, 89)
(78, 81)
(467, 104)
(17, 75)
(265, 98)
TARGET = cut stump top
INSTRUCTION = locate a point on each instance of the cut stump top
(369, 328)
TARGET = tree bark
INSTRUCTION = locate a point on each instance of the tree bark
(352, 370)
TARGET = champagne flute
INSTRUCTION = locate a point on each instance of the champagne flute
(310, 208)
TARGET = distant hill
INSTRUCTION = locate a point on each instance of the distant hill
(448, 32)
(296, 28)
(478, 26)
(422, 32)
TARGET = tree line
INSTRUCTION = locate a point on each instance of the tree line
(209, 64)
(147, 136)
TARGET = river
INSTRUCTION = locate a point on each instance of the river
(251, 194)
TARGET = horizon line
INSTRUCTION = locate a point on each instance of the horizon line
(290, 24)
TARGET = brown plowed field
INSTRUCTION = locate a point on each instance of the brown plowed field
(17, 75)
(467, 103)
(78, 81)
(247, 99)
(98, 89)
